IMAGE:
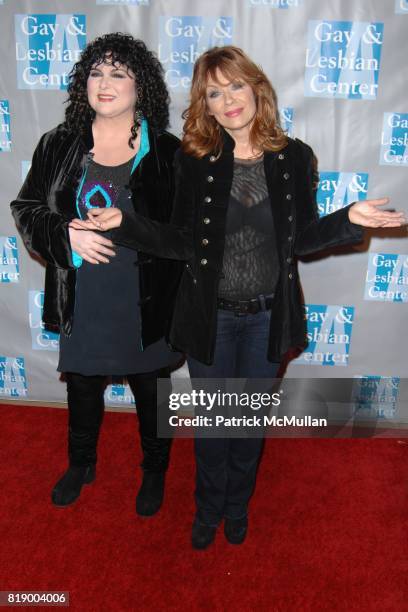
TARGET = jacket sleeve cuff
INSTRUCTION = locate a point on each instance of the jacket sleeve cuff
(330, 231)
(125, 233)
(356, 232)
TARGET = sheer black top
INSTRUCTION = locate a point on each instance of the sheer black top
(250, 261)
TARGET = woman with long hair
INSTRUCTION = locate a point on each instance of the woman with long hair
(111, 304)
(244, 211)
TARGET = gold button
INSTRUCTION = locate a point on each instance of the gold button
(281, 156)
(203, 262)
(210, 178)
(290, 218)
(206, 220)
(288, 197)
(204, 241)
(207, 199)
(290, 275)
(286, 176)
(289, 259)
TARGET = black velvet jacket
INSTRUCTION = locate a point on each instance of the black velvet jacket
(47, 202)
(197, 235)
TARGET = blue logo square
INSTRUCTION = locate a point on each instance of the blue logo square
(339, 189)
(183, 39)
(5, 130)
(47, 47)
(394, 140)
(13, 381)
(119, 393)
(9, 266)
(329, 331)
(401, 7)
(41, 340)
(375, 396)
(286, 119)
(387, 278)
(343, 59)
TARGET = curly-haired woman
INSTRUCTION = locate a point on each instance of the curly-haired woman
(244, 210)
(111, 304)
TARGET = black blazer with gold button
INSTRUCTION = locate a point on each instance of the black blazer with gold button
(197, 235)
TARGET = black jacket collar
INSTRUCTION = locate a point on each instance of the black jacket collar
(229, 145)
(229, 142)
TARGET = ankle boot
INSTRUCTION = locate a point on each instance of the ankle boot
(235, 530)
(68, 488)
(150, 496)
(202, 535)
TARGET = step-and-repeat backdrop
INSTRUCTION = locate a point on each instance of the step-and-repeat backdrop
(340, 70)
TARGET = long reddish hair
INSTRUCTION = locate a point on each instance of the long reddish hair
(202, 134)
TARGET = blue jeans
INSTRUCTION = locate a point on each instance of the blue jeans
(226, 468)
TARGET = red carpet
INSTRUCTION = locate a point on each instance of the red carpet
(328, 526)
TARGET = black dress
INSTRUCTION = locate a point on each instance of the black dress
(106, 334)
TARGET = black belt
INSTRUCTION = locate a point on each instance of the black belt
(253, 306)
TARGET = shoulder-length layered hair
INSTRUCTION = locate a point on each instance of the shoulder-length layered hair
(116, 48)
(202, 134)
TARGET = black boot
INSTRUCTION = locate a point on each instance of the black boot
(202, 535)
(85, 403)
(155, 450)
(68, 488)
(150, 496)
(235, 530)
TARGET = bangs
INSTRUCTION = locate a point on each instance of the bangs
(112, 58)
(229, 71)
(233, 67)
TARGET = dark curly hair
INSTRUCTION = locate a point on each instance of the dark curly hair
(152, 95)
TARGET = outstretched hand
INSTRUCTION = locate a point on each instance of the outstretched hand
(369, 214)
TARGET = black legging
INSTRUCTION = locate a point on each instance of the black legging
(86, 408)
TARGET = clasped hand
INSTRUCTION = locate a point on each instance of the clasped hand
(101, 219)
(91, 246)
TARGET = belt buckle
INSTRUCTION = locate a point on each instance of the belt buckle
(242, 307)
(245, 306)
(254, 306)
